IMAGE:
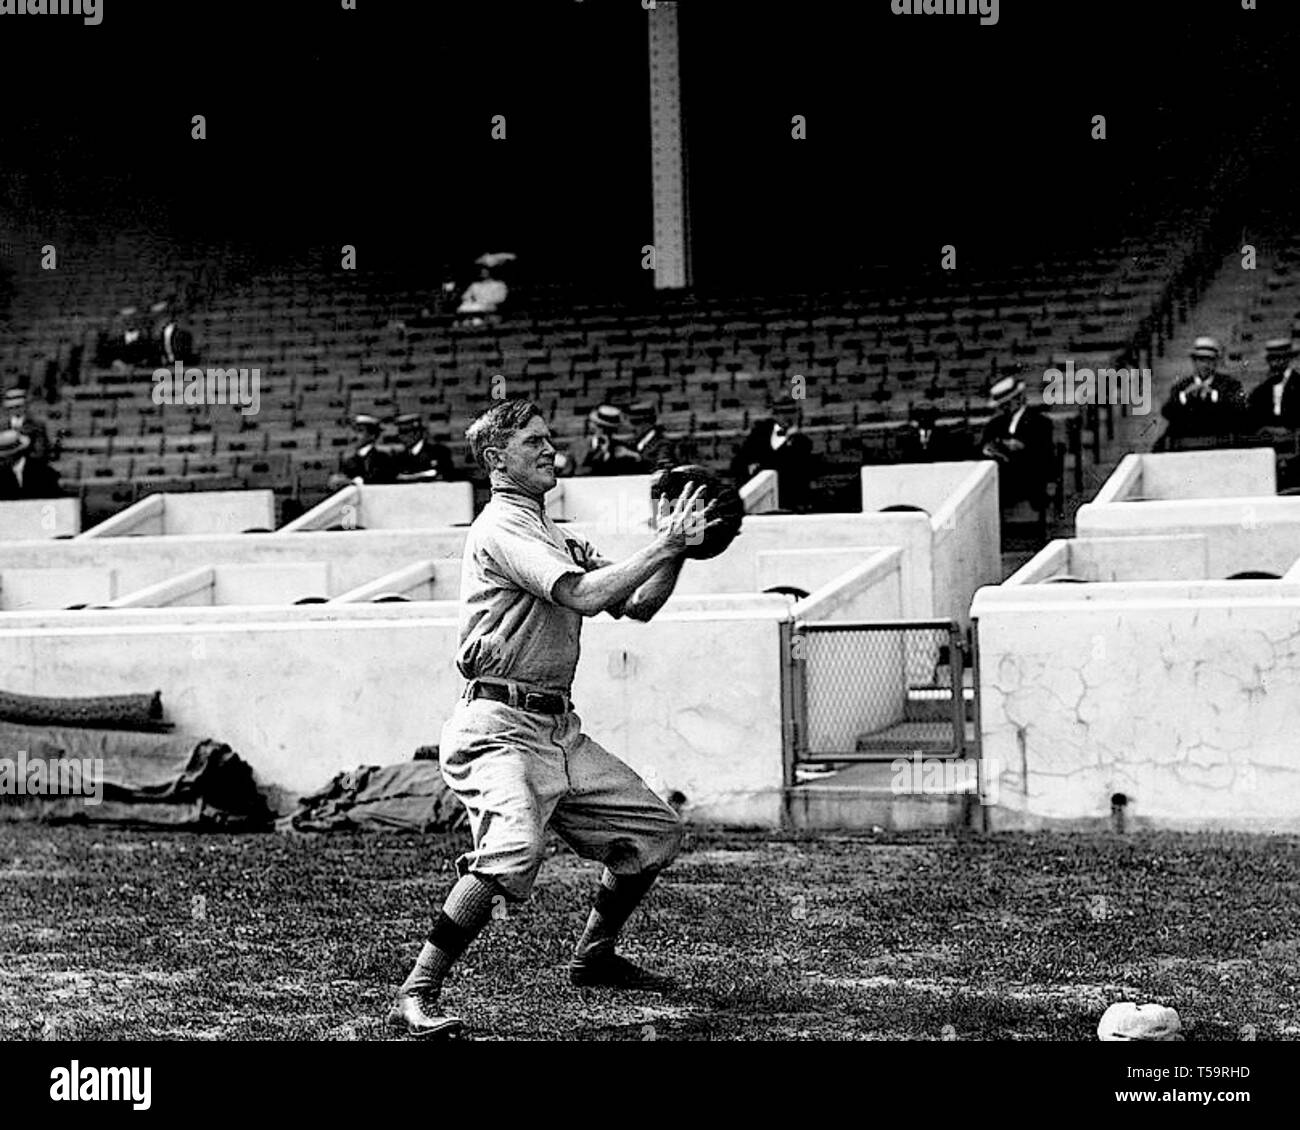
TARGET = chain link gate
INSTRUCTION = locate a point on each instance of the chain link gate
(877, 690)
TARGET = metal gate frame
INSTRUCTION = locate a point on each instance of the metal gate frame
(794, 688)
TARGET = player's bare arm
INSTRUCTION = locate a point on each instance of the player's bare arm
(654, 594)
(595, 592)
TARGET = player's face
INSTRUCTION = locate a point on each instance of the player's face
(529, 458)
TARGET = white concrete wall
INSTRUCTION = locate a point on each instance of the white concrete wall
(610, 502)
(30, 518)
(928, 485)
(389, 506)
(1178, 557)
(28, 589)
(304, 696)
(195, 512)
(1050, 561)
(1253, 533)
(967, 549)
(333, 612)
(808, 569)
(1184, 696)
(360, 556)
(415, 582)
(409, 506)
(227, 585)
(761, 493)
(1124, 483)
(871, 589)
(1229, 473)
(737, 569)
(356, 557)
(1165, 476)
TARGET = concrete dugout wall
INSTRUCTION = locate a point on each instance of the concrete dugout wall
(1183, 697)
(305, 692)
(31, 518)
(198, 512)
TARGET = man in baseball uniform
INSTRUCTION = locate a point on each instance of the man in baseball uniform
(513, 750)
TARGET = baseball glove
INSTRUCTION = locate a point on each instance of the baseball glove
(671, 484)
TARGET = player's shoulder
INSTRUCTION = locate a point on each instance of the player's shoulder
(501, 517)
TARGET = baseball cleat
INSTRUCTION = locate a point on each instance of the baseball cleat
(417, 1017)
(611, 971)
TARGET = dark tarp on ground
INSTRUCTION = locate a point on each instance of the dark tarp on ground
(408, 797)
(170, 780)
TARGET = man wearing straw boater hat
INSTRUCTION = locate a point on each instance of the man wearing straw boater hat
(21, 476)
(1275, 402)
(1207, 406)
(1019, 439)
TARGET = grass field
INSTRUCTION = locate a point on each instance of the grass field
(148, 935)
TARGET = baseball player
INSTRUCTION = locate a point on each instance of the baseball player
(513, 750)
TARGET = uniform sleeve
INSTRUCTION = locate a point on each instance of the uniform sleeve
(528, 558)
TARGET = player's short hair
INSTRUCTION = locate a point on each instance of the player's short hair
(497, 425)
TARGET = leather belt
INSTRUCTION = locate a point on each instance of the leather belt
(538, 702)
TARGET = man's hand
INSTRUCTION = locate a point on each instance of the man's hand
(682, 523)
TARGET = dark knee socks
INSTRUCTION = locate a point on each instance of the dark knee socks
(466, 911)
(617, 897)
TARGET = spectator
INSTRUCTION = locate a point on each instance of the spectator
(606, 451)
(1019, 439)
(923, 441)
(1205, 407)
(126, 342)
(174, 342)
(68, 369)
(1275, 402)
(21, 474)
(421, 460)
(369, 463)
(650, 439)
(18, 417)
(483, 297)
(775, 443)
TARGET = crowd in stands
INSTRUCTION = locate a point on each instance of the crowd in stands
(411, 456)
(152, 339)
(884, 383)
(1210, 408)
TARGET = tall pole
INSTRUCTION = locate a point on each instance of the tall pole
(672, 228)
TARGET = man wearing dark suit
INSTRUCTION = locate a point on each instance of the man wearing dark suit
(421, 460)
(650, 439)
(368, 462)
(22, 476)
(924, 441)
(1275, 402)
(1206, 407)
(776, 443)
(1019, 439)
(18, 417)
(606, 450)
